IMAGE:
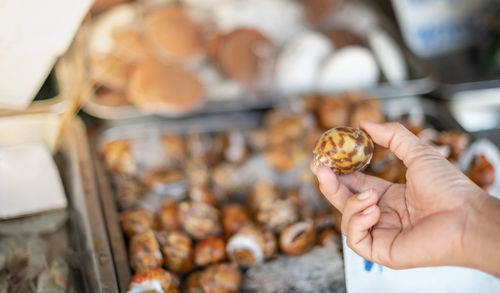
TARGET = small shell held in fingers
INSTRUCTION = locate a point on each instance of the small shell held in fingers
(343, 149)
(297, 238)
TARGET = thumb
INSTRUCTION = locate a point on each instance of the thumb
(404, 144)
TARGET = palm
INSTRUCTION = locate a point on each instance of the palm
(412, 213)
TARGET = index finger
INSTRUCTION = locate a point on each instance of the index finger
(404, 144)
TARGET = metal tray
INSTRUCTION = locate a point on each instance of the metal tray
(435, 115)
(418, 83)
(96, 257)
(83, 238)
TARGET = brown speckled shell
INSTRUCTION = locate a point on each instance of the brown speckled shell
(144, 251)
(343, 149)
(177, 250)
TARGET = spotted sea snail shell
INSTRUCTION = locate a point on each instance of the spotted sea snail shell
(343, 149)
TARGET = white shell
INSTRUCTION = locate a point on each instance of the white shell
(239, 242)
(297, 66)
(389, 56)
(277, 19)
(490, 151)
(101, 40)
(349, 68)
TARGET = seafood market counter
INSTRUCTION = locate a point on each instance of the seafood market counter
(228, 203)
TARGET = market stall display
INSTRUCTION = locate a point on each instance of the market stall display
(240, 190)
(188, 201)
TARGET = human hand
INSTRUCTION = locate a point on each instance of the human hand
(428, 221)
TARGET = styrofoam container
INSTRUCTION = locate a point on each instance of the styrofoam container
(364, 276)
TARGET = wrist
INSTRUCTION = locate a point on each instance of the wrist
(482, 234)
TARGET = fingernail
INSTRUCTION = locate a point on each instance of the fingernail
(368, 210)
(364, 195)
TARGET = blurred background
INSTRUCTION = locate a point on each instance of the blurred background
(174, 138)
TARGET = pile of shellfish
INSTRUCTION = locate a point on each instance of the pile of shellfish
(200, 208)
(227, 50)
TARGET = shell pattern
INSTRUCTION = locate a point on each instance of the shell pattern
(343, 149)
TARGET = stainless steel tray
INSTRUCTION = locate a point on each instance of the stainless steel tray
(83, 239)
(90, 232)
